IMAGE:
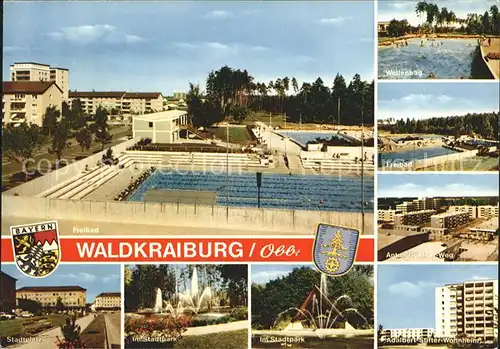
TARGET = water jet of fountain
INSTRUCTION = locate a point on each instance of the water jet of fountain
(158, 308)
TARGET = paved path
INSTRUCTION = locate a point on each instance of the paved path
(232, 326)
(113, 329)
(276, 142)
(49, 338)
(493, 64)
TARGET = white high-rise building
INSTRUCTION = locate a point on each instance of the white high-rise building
(467, 308)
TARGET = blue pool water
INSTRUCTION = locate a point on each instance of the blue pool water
(452, 60)
(277, 191)
(385, 159)
(304, 137)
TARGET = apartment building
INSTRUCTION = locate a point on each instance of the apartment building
(467, 308)
(413, 218)
(180, 95)
(416, 334)
(31, 71)
(386, 215)
(108, 301)
(47, 296)
(472, 210)
(405, 207)
(487, 211)
(450, 220)
(8, 292)
(120, 101)
(27, 101)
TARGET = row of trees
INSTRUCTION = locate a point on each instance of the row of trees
(21, 142)
(290, 291)
(235, 93)
(483, 124)
(141, 282)
(440, 19)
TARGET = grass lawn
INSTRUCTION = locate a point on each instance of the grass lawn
(223, 340)
(95, 333)
(14, 327)
(237, 135)
(276, 120)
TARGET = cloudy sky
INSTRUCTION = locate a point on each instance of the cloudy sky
(161, 46)
(95, 278)
(425, 100)
(437, 184)
(262, 274)
(388, 10)
(405, 293)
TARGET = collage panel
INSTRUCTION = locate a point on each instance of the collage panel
(437, 306)
(438, 217)
(73, 307)
(438, 39)
(211, 131)
(437, 126)
(297, 306)
(186, 306)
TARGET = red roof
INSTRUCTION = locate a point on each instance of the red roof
(140, 95)
(96, 94)
(27, 87)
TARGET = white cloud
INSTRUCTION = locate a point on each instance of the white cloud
(86, 34)
(450, 190)
(82, 276)
(218, 46)
(334, 20)
(410, 289)
(477, 277)
(424, 106)
(218, 14)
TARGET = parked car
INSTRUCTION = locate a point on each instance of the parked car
(6, 316)
(26, 314)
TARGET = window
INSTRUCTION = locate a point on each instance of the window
(150, 124)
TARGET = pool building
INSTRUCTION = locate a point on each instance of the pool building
(162, 127)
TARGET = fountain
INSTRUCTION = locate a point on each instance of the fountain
(321, 315)
(158, 308)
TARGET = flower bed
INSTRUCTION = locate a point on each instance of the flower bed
(167, 329)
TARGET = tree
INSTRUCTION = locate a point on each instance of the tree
(29, 305)
(20, 143)
(398, 28)
(236, 278)
(59, 304)
(239, 113)
(59, 140)
(100, 127)
(71, 335)
(76, 117)
(50, 119)
(84, 138)
(421, 8)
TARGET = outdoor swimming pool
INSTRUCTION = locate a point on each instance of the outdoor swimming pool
(386, 159)
(277, 191)
(451, 60)
(304, 137)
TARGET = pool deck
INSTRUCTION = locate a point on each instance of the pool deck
(493, 64)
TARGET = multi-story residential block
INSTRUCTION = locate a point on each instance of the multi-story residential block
(416, 334)
(180, 95)
(487, 211)
(413, 218)
(467, 308)
(108, 301)
(450, 220)
(47, 296)
(386, 215)
(120, 101)
(161, 127)
(405, 207)
(8, 292)
(27, 101)
(31, 71)
(472, 210)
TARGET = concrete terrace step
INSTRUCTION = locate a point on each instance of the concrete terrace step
(86, 184)
(95, 185)
(68, 185)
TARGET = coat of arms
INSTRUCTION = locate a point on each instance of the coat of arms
(335, 249)
(36, 248)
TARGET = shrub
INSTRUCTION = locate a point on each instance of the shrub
(240, 313)
(71, 333)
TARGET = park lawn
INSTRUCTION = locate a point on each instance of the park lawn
(223, 340)
(14, 327)
(237, 135)
(95, 334)
(276, 120)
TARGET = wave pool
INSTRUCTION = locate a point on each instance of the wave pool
(451, 60)
(313, 192)
(386, 159)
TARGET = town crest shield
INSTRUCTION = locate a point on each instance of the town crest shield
(36, 248)
(335, 249)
